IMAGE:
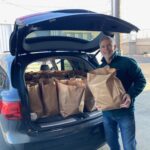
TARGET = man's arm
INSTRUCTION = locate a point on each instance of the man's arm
(138, 79)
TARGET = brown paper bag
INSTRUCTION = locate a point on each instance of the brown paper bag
(90, 103)
(106, 88)
(70, 93)
(49, 96)
(87, 98)
(35, 99)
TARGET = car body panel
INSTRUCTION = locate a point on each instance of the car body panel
(69, 138)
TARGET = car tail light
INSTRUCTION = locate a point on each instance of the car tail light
(11, 110)
(0, 105)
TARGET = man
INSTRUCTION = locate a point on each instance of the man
(134, 82)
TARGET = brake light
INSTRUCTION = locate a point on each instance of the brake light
(11, 110)
(0, 105)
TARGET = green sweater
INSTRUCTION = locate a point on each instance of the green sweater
(130, 75)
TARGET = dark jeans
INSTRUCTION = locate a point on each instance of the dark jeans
(126, 123)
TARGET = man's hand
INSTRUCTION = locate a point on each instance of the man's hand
(126, 101)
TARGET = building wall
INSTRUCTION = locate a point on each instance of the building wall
(5, 32)
(140, 46)
(143, 46)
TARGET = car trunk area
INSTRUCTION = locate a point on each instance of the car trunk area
(59, 68)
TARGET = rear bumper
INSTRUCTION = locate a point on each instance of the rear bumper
(86, 136)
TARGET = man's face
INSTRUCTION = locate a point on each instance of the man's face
(107, 48)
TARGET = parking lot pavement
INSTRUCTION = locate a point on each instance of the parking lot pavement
(142, 114)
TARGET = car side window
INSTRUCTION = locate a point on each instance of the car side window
(99, 58)
(57, 64)
(63, 64)
(34, 66)
(3, 79)
(67, 65)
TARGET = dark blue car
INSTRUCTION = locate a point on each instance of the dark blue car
(62, 40)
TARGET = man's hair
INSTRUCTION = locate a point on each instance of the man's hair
(107, 38)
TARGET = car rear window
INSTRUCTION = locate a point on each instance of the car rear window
(85, 35)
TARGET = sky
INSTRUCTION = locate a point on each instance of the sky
(134, 11)
(22, 7)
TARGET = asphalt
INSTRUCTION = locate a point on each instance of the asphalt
(142, 114)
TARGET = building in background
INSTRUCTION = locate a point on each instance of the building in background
(5, 32)
(136, 44)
